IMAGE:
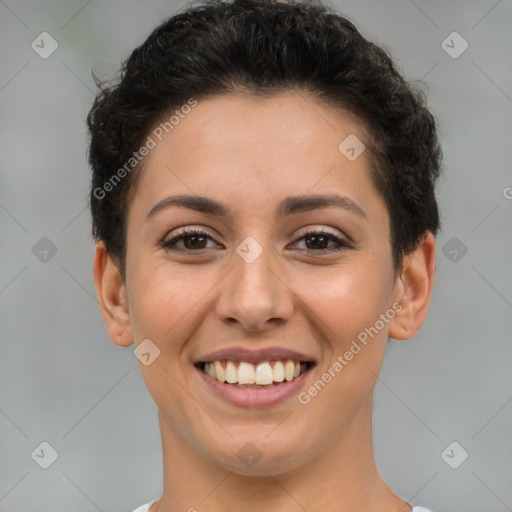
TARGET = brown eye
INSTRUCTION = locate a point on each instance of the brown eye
(188, 240)
(318, 241)
(194, 241)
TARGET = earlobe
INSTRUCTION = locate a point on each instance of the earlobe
(112, 298)
(414, 289)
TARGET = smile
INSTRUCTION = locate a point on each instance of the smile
(244, 374)
(249, 385)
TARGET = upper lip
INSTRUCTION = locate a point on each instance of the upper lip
(255, 356)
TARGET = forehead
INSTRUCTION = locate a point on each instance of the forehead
(290, 132)
(252, 152)
(286, 118)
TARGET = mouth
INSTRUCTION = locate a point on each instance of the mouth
(254, 378)
(266, 374)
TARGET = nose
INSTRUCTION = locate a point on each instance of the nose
(255, 295)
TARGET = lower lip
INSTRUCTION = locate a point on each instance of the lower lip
(254, 397)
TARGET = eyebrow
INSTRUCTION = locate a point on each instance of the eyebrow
(288, 206)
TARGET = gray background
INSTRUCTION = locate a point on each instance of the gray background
(64, 382)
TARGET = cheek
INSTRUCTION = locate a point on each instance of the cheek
(347, 305)
(166, 306)
(165, 301)
(347, 299)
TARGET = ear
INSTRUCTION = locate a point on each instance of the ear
(414, 289)
(112, 297)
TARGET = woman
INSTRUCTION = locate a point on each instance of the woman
(264, 209)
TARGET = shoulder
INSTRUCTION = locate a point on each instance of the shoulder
(146, 506)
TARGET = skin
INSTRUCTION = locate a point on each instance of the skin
(249, 154)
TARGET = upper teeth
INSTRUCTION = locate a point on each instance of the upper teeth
(262, 374)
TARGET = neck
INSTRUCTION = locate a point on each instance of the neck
(345, 473)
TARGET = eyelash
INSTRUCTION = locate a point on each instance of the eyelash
(189, 232)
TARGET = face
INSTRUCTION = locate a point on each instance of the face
(255, 265)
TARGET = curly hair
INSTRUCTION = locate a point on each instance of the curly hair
(263, 47)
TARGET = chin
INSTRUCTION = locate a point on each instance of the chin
(261, 454)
